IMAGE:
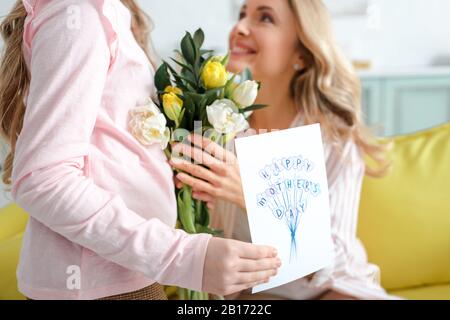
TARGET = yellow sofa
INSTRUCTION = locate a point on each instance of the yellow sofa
(404, 221)
(13, 220)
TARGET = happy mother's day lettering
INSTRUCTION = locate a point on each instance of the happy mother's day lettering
(284, 177)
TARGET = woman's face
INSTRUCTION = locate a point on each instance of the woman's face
(265, 40)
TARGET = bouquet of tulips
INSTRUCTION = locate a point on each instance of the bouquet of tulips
(200, 97)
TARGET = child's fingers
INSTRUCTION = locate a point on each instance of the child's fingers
(252, 251)
(251, 277)
(250, 265)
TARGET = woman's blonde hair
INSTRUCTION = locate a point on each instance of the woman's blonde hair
(15, 77)
(328, 90)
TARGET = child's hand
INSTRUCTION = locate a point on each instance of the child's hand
(205, 197)
(232, 266)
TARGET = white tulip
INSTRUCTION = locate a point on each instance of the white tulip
(145, 111)
(224, 116)
(245, 94)
(148, 125)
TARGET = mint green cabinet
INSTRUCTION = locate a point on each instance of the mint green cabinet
(401, 105)
(372, 100)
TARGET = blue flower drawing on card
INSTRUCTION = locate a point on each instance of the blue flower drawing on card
(287, 193)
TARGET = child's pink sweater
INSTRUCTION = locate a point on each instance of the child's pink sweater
(100, 202)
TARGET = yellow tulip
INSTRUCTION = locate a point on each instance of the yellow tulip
(214, 75)
(172, 104)
(175, 90)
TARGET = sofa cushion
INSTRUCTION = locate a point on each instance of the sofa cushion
(13, 220)
(438, 292)
(9, 257)
(404, 219)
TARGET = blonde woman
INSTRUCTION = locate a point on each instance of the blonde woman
(101, 204)
(289, 47)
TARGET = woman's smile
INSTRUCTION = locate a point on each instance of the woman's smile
(241, 49)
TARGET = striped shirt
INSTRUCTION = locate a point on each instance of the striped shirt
(351, 274)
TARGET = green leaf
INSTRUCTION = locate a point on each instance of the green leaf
(203, 229)
(182, 293)
(206, 216)
(196, 97)
(229, 87)
(162, 77)
(205, 55)
(172, 70)
(180, 119)
(188, 49)
(197, 52)
(198, 212)
(213, 94)
(217, 233)
(185, 66)
(185, 211)
(179, 82)
(216, 91)
(203, 52)
(226, 59)
(187, 80)
(201, 214)
(199, 38)
(188, 121)
(189, 103)
(178, 52)
(188, 74)
(253, 108)
(195, 295)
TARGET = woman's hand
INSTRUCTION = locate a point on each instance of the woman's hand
(219, 180)
(232, 266)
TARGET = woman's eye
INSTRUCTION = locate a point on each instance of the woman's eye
(241, 15)
(267, 18)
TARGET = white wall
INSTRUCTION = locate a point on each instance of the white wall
(5, 6)
(173, 17)
(413, 32)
